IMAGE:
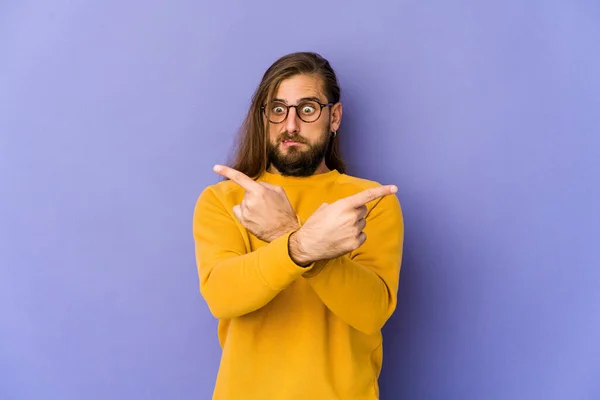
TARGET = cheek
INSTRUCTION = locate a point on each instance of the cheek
(274, 133)
(316, 133)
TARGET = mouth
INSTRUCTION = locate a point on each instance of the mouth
(288, 142)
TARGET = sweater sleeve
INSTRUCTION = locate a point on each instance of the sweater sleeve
(361, 287)
(235, 281)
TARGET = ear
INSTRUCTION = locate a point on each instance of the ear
(336, 116)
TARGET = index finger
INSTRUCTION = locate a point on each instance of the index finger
(362, 198)
(238, 177)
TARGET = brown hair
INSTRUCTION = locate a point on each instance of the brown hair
(251, 150)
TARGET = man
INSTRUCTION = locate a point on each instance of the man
(299, 261)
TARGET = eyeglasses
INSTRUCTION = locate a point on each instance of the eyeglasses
(308, 111)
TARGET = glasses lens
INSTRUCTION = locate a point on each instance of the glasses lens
(309, 111)
(276, 112)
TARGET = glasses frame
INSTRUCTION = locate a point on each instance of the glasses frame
(263, 108)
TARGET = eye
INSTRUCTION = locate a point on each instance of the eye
(308, 109)
(278, 110)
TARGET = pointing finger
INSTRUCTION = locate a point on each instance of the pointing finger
(268, 185)
(238, 177)
(362, 198)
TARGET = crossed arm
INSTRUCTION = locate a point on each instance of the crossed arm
(359, 286)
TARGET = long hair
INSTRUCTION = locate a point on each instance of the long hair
(251, 150)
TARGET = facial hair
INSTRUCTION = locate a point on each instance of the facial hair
(298, 161)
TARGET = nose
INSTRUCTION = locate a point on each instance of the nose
(291, 123)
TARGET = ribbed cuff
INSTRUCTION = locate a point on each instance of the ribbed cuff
(318, 266)
(277, 267)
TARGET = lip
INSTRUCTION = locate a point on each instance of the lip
(290, 143)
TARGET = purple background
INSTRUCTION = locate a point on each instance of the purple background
(487, 116)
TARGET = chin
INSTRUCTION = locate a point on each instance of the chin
(292, 150)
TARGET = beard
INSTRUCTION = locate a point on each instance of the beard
(297, 161)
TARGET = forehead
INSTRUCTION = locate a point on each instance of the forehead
(300, 86)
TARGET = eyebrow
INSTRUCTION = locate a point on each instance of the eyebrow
(301, 100)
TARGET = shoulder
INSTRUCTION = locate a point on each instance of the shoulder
(352, 185)
(223, 192)
(359, 184)
(224, 188)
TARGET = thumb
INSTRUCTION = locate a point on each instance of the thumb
(237, 211)
(322, 207)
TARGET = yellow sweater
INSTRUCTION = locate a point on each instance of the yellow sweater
(288, 332)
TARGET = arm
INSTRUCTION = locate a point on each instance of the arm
(361, 287)
(233, 281)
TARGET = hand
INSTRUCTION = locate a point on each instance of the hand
(265, 210)
(335, 229)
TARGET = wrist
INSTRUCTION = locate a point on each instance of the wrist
(297, 251)
(295, 223)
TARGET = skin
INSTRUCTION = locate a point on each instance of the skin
(265, 210)
(291, 91)
(334, 229)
